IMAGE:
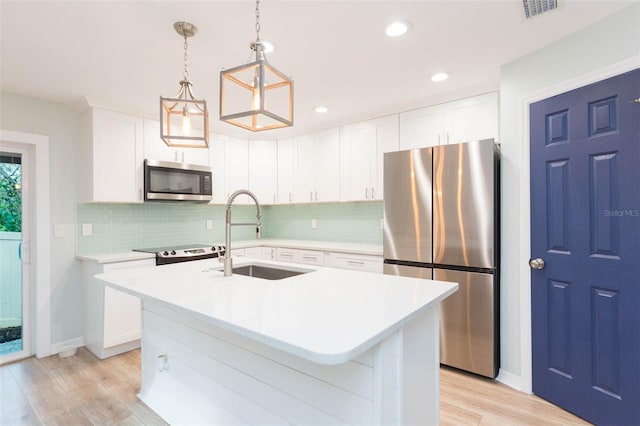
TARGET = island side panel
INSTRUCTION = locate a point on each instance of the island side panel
(420, 366)
(216, 374)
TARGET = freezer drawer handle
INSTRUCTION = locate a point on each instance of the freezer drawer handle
(536, 263)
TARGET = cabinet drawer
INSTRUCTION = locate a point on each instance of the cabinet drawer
(252, 252)
(358, 262)
(286, 255)
(309, 257)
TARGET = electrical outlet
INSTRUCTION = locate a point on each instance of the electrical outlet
(314, 224)
(209, 224)
(58, 231)
(87, 229)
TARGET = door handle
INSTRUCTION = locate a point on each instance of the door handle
(536, 263)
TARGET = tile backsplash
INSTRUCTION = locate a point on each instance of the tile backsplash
(121, 227)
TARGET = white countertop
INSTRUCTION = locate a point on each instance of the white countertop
(356, 248)
(328, 316)
(116, 257)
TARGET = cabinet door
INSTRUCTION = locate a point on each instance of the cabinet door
(156, 149)
(421, 127)
(387, 140)
(306, 164)
(286, 170)
(218, 167)
(117, 158)
(154, 146)
(357, 150)
(327, 165)
(471, 119)
(269, 253)
(121, 310)
(237, 167)
(263, 170)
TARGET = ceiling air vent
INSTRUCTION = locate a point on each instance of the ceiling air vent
(536, 7)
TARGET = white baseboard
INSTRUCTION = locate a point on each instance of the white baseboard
(71, 343)
(511, 380)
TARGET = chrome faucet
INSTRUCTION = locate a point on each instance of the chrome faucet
(228, 264)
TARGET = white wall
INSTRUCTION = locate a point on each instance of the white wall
(61, 124)
(594, 53)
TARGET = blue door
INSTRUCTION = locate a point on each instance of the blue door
(585, 249)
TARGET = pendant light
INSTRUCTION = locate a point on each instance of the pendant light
(256, 96)
(184, 119)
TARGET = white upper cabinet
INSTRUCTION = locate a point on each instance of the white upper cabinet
(357, 161)
(286, 171)
(229, 159)
(218, 167)
(454, 122)
(156, 149)
(421, 127)
(472, 119)
(112, 157)
(317, 176)
(327, 165)
(362, 147)
(263, 170)
(387, 140)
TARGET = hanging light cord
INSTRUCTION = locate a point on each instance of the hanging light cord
(186, 60)
(257, 20)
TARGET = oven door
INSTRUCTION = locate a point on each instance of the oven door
(166, 181)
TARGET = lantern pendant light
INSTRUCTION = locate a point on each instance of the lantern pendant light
(256, 96)
(184, 119)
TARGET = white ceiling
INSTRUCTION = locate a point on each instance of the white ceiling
(124, 54)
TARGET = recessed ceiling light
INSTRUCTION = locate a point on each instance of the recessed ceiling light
(439, 76)
(397, 28)
(321, 109)
(268, 46)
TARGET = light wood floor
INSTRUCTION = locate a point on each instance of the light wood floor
(82, 390)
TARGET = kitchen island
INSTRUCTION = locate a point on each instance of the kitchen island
(326, 346)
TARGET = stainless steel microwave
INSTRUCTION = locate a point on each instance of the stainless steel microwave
(167, 181)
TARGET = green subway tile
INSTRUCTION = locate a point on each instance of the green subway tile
(121, 227)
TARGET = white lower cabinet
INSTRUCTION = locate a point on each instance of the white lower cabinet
(111, 317)
(360, 262)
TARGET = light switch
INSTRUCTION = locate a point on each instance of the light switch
(209, 224)
(87, 229)
(58, 231)
(314, 224)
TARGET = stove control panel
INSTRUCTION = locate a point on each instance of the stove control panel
(187, 254)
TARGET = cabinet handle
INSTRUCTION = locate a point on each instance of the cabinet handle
(366, 193)
(316, 195)
(183, 156)
(286, 254)
(289, 197)
(373, 193)
(307, 257)
(447, 138)
(175, 156)
(310, 195)
(355, 262)
(438, 138)
(274, 198)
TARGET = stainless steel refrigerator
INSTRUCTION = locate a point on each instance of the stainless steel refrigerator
(441, 222)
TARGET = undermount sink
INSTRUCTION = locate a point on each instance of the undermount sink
(268, 272)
